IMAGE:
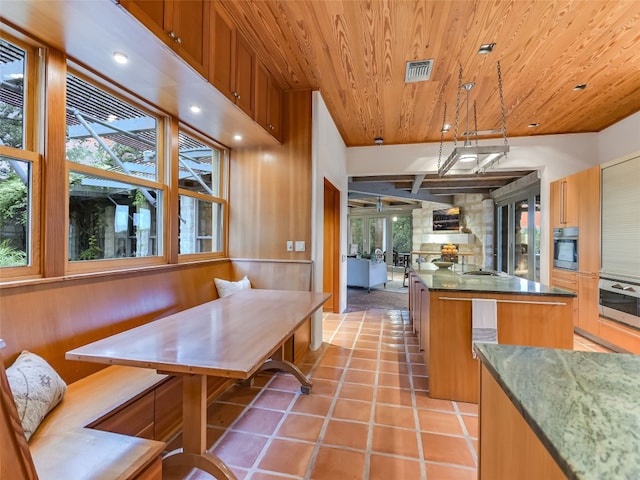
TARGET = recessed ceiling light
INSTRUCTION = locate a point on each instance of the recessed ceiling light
(195, 108)
(120, 57)
(111, 117)
(446, 127)
(486, 48)
(237, 137)
(533, 125)
(580, 86)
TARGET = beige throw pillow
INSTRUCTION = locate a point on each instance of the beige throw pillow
(225, 287)
(36, 389)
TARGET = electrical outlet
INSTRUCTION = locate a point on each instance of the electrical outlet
(300, 246)
(289, 245)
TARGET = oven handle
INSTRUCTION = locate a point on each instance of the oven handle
(625, 289)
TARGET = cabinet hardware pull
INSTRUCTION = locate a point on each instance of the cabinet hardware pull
(505, 301)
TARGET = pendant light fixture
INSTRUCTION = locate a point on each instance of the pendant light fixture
(472, 157)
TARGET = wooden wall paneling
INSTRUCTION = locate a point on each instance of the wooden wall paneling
(274, 274)
(54, 175)
(270, 190)
(50, 318)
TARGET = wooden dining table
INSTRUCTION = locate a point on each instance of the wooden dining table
(232, 337)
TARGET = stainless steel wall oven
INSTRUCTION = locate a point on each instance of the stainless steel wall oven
(620, 301)
(565, 248)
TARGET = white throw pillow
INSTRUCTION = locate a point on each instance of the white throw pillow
(225, 287)
(36, 389)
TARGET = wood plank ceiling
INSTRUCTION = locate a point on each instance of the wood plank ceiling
(354, 53)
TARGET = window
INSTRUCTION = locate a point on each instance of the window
(115, 192)
(201, 209)
(518, 234)
(19, 160)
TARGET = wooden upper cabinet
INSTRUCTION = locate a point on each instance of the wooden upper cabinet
(564, 202)
(232, 63)
(268, 102)
(181, 24)
(588, 187)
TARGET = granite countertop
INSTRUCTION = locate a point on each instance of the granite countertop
(453, 281)
(583, 406)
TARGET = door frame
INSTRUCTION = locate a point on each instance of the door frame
(331, 247)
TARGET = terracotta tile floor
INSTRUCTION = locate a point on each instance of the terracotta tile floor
(368, 415)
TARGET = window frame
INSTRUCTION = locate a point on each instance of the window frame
(161, 183)
(223, 182)
(31, 152)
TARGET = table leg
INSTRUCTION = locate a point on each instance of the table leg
(286, 366)
(194, 432)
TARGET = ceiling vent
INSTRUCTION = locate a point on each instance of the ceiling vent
(418, 71)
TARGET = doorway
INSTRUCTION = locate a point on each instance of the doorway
(331, 249)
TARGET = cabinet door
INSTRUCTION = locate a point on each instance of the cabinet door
(275, 110)
(556, 203)
(168, 411)
(589, 318)
(568, 281)
(571, 205)
(244, 75)
(151, 14)
(221, 73)
(268, 102)
(136, 418)
(190, 28)
(588, 185)
(262, 96)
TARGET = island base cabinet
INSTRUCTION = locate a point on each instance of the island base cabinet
(528, 320)
(509, 449)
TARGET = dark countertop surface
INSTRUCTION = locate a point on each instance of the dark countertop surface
(454, 281)
(583, 406)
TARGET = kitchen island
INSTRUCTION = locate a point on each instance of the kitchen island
(555, 414)
(440, 305)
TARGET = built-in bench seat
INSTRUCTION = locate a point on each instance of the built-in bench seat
(112, 423)
(64, 448)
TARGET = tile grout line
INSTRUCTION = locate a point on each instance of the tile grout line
(329, 415)
(374, 402)
(254, 467)
(414, 403)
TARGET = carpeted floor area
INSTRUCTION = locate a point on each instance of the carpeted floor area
(393, 297)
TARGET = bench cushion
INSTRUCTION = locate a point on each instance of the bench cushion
(36, 389)
(92, 397)
(226, 287)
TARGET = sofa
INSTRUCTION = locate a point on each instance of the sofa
(364, 273)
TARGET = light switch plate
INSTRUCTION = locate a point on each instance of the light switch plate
(289, 245)
(300, 246)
